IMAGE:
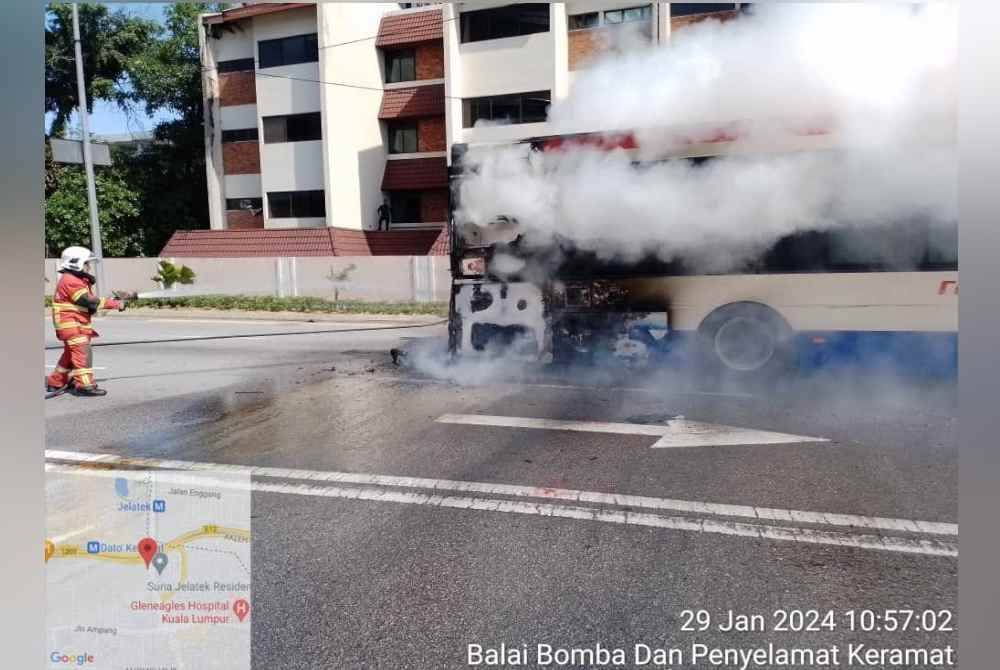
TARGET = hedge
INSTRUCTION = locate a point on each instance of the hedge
(291, 304)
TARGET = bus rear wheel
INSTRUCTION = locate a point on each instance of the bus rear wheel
(745, 342)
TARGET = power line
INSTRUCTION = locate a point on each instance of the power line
(362, 87)
(202, 338)
(339, 83)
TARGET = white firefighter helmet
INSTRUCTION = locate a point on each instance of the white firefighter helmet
(75, 258)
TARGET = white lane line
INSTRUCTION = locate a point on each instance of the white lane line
(562, 387)
(928, 547)
(515, 490)
(675, 433)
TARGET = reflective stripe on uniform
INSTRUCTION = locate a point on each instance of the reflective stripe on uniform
(101, 304)
(76, 294)
(67, 307)
(72, 324)
(82, 339)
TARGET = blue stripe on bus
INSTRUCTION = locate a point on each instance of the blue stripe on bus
(928, 354)
(921, 353)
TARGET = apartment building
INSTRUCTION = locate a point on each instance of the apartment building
(283, 148)
(338, 118)
(507, 63)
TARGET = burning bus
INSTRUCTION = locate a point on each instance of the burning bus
(814, 297)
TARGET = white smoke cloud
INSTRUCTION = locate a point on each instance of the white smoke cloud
(882, 75)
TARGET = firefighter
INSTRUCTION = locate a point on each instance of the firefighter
(73, 305)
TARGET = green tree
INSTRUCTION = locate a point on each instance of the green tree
(166, 75)
(67, 214)
(135, 63)
(109, 40)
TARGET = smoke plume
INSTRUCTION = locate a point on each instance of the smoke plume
(882, 77)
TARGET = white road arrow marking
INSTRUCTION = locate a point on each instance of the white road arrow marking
(677, 432)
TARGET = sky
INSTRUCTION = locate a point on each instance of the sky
(108, 119)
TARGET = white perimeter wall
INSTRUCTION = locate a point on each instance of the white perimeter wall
(354, 147)
(373, 278)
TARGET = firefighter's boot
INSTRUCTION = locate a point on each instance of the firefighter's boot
(89, 391)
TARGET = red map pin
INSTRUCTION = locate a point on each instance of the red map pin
(147, 549)
(242, 608)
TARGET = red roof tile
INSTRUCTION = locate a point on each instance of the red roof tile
(390, 243)
(415, 173)
(304, 242)
(256, 9)
(259, 242)
(404, 103)
(409, 28)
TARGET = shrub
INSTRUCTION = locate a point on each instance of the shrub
(170, 274)
(304, 304)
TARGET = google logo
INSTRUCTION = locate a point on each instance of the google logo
(71, 659)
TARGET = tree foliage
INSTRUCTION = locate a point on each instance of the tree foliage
(134, 63)
(166, 75)
(67, 213)
(170, 175)
(109, 41)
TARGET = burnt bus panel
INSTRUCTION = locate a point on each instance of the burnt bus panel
(564, 320)
(511, 314)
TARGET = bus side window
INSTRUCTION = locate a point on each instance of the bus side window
(802, 252)
(869, 248)
(942, 246)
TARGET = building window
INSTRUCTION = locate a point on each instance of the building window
(243, 204)
(238, 65)
(296, 204)
(293, 128)
(400, 66)
(584, 21)
(288, 50)
(241, 135)
(615, 16)
(405, 207)
(403, 137)
(690, 8)
(507, 21)
(516, 108)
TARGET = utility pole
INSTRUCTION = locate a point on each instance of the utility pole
(88, 162)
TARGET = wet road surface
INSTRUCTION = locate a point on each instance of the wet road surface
(435, 535)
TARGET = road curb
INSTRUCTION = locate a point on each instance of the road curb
(239, 315)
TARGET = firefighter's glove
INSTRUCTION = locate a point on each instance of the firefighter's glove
(122, 304)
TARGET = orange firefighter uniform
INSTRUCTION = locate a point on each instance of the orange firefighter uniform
(73, 305)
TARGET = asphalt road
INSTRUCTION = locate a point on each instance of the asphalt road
(402, 573)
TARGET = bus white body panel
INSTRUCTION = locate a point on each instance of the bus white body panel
(863, 301)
